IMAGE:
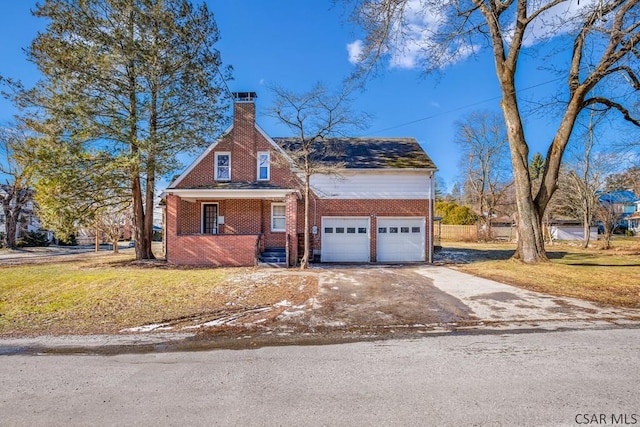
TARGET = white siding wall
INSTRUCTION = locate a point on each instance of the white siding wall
(400, 184)
(566, 232)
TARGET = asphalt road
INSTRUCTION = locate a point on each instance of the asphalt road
(541, 379)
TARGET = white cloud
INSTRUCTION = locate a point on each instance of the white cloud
(355, 51)
(412, 39)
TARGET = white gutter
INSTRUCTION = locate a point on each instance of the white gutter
(199, 194)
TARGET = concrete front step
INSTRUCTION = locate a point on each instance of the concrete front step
(274, 256)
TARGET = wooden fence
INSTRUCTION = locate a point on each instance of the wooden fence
(457, 232)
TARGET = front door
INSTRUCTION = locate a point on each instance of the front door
(210, 218)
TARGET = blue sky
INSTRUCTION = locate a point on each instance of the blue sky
(295, 44)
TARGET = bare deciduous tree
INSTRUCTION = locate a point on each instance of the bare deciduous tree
(112, 221)
(585, 173)
(485, 159)
(16, 193)
(603, 38)
(313, 117)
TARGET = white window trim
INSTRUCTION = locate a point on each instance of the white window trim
(268, 165)
(215, 166)
(284, 216)
(202, 205)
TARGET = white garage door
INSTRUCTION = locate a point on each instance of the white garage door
(345, 239)
(401, 239)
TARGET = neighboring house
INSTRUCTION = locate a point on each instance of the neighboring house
(241, 198)
(624, 201)
(28, 221)
(568, 229)
(634, 219)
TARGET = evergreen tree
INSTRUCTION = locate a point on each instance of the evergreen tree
(536, 166)
(128, 84)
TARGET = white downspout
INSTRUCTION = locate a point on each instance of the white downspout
(431, 203)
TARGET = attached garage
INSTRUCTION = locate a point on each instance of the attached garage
(345, 239)
(401, 239)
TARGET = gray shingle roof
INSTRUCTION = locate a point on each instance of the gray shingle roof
(367, 153)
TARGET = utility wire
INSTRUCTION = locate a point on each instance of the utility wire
(442, 113)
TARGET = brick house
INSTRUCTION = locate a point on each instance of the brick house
(240, 200)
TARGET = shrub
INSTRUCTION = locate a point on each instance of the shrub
(34, 239)
(69, 241)
(455, 214)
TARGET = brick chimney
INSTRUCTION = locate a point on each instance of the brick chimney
(244, 137)
(244, 108)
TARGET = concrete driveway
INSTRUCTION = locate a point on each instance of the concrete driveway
(499, 305)
(428, 298)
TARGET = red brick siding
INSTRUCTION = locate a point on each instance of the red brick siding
(242, 217)
(213, 250)
(292, 220)
(201, 174)
(189, 218)
(243, 142)
(365, 208)
(200, 249)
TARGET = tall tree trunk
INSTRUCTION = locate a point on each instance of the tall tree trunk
(149, 205)
(530, 231)
(586, 227)
(151, 172)
(304, 263)
(11, 227)
(141, 241)
(12, 205)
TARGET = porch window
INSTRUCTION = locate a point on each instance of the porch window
(223, 166)
(264, 160)
(210, 218)
(278, 217)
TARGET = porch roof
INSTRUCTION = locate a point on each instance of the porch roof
(233, 190)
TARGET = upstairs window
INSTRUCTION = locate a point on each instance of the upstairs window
(223, 166)
(264, 169)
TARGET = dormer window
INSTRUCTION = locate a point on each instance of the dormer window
(264, 169)
(223, 166)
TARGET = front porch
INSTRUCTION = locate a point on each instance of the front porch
(214, 228)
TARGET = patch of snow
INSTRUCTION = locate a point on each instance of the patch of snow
(220, 322)
(334, 324)
(288, 314)
(148, 328)
(284, 303)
